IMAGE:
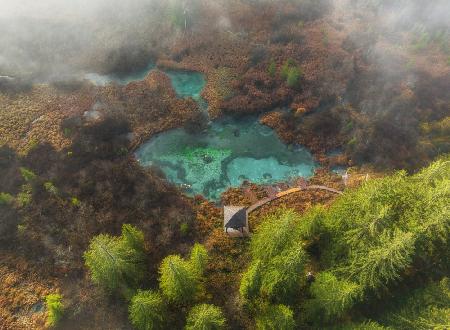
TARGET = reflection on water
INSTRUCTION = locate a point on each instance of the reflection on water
(227, 153)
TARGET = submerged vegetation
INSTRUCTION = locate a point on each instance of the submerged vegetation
(241, 101)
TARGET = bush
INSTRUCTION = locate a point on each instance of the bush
(205, 317)
(55, 309)
(294, 76)
(24, 197)
(291, 73)
(27, 174)
(272, 69)
(50, 187)
(6, 198)
(147, 311)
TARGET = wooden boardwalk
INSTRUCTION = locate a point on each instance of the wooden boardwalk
(264, 201)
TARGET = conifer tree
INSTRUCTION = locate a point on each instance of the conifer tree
(276, 317)
(147, 311)
(55, 309)
(198, 259)
(380, 264)
(178, 282)
(117, 263)
(331, 297)
(205, 317)
(251, 281)
(276, 233)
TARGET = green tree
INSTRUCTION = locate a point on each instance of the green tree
(205, 317)
(424, 308)
(147, 311)
(311, 225)
(283, 275)
(383, 263)
(276, 317)
(176, 14)
(55, 309)
(251, 281)
(285, 70)
(367, 325)
(117, 263)
(276, 233)
(277, 270)
(293, 77)
(272, 69)
(198, 259)
(331, 297)
(178, 281)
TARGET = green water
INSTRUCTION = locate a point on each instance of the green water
(185, 83)
(227, 153)
(223, 156)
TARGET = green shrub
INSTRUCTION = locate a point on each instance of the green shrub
(205, 317)
(292, 73)
(293, 78)
(325, 38)
(25, 196)
(184, 229)
(285, 70)
(147, 311)
(49, 186)
(55, 309)
(6, 198)
(272, 69)
(27, 174)
(75, 201)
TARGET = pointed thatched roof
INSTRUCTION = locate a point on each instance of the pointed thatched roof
(235, 217)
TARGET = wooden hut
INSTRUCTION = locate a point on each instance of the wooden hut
(235, 221)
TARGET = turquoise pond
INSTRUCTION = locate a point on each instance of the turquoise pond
(228, 152)
(185, 83)
(225, 155)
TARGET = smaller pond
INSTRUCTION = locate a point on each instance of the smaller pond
(103, 80)
(227, 153)
(185, 83)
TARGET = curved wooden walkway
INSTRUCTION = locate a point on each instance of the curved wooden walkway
(264, 201)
